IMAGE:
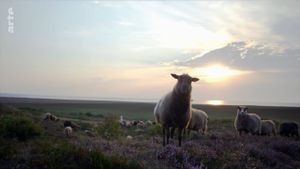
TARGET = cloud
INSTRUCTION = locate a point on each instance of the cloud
(249, 56)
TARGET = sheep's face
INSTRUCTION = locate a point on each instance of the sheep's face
(242, 111)
(184, 83)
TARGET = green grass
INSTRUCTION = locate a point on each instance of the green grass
(139, 111)
(84, 111)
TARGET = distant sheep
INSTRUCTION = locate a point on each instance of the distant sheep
(247, 122)
(268, 127)
(49, 116)
(149, 123)
(71, 124)
(68, 131)
(198, 121)
(174, 109)
(135, 122)
(67, 123)
(141, 124)
(129, 137)
(126, 123)
(288, 129)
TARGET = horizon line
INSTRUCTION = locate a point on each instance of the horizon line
(140, 100)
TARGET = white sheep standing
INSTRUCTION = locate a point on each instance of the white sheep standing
(268, 127)
(68, 131)
(198, 121)
(247, 122)
(174, 109)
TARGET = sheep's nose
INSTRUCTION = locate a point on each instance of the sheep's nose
(184, 88)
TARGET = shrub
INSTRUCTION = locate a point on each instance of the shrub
(7, 148)
(110, 128)
(179, 158)
(20, 127)
(64, 155)
(89, 114)
(153, 130)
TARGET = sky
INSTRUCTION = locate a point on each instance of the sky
(244, 52)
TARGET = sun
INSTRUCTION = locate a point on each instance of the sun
(215, 73)
(215, 102)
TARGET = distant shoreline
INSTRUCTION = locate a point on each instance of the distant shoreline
(22, 99)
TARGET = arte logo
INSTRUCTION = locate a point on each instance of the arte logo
(10, 20)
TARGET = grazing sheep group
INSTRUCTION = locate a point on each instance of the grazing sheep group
(252, 123)
(68, 125)
(137, 123)
(174, 109)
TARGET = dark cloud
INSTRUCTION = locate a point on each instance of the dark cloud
(250, 57)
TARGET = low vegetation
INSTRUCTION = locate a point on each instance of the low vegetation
(20, 127)
(110, 128)
(25, 144)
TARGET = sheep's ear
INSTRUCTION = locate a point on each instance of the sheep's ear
(239, 108)
(174, 75)
(194, 79)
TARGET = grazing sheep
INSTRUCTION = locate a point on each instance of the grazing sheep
(149, 123)
(51, 117)
(126, 123)
(247, 122)
(174, 109)
(141, 124)
(198, 121)
(68, 123)
(135, 122)
(288, 129)
(68, 131)
(268, 127)
(129, 137)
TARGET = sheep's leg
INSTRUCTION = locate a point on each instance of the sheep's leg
(168, 135)
(164, 139)
(185, 132)
(199, 131)
(172, 132)
(179, 136)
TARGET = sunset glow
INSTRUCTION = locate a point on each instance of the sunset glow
(215, 102)
(215, 73)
